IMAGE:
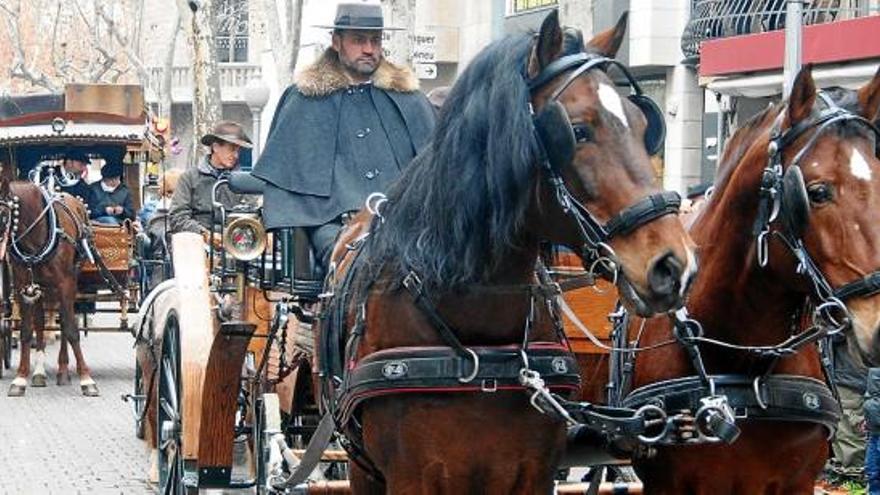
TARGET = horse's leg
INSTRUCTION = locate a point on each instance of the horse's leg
(39, 377)
(19, 384)
(63, 376)
(67, 295)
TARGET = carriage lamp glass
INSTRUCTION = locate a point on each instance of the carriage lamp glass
(244, 238)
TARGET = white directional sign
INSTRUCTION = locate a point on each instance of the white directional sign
(425, 71)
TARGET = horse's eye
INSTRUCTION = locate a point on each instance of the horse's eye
(819, 193)
(582, 133)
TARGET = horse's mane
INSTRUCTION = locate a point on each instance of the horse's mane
(456, 210)
(747, 136)
(741, 142)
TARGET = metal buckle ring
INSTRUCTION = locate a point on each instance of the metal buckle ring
(476, 371)
(824, 313)
(642, 413)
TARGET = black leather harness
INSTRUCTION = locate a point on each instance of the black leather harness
(771, 398)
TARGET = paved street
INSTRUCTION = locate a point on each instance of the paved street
(55, 441)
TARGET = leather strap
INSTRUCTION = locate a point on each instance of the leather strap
(646, 210)
(421, 370)
(312, 456)
(774, 398)
(864, 287)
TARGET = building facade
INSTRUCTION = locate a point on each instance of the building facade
(447, 34)
(738, 48)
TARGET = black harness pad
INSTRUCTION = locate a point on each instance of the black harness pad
(655, 133)
(556, 135)
(795, 203)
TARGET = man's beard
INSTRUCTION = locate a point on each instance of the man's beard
(361, 67)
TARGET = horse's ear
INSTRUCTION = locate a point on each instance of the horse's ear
(869, 98)
(608, 42)
(803, 95)
(548, 46)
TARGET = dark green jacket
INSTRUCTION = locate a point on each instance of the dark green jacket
(191, 205)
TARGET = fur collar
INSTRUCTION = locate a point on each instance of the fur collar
(327, 76)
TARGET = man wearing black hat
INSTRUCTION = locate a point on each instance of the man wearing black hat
(71, 179)
(191, 205)
(346, 128)
(112, 198)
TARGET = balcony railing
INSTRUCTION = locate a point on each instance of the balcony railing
(712, 19)
(233, 79)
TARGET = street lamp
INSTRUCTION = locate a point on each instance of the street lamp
(256, 95)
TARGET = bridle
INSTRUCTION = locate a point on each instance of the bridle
(783, 196)
(784, 192)
(558, 138)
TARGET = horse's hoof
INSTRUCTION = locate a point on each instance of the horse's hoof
(16, 391)
(90, 390)
(62, 379)
(38, 381)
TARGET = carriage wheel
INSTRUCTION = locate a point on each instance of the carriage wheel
(139, 396)
(171, 470)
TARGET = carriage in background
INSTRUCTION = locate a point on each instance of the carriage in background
(107, 123)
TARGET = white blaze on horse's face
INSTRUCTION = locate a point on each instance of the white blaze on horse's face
(858, 166)
(610, 99)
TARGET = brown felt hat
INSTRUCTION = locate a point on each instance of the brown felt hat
(229, 132)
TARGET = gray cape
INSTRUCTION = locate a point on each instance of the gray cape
(301, 163)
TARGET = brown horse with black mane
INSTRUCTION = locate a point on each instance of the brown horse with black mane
(436, 328)
(788, 251)
(44, 236)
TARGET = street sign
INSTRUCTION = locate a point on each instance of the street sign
(424, 45)
(425, 71)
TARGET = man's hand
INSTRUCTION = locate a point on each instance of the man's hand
(213, 238)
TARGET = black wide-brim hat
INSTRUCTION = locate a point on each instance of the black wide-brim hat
(363, 15)
(229, 132)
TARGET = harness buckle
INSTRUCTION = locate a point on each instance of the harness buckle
(489, 385)
(412, 282)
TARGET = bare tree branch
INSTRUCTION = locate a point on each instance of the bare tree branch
(18, 68)
(124, 43)
(97, 69)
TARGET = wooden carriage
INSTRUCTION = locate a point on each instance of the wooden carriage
(106, 122)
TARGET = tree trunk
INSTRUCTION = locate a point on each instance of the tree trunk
(207, 105)
(402, 15)
(166, 85)
(285, 45)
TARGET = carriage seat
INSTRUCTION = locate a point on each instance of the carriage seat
(305, 275)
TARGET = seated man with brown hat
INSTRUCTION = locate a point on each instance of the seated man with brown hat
(191, 205)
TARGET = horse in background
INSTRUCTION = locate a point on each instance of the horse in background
(788, 252)
(43, 234)
(447, 265)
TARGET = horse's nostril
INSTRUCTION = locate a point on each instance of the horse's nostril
(664, 277)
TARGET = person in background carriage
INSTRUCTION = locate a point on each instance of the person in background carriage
(345, 129)
(191, 207)
(872, 422)
(73, 178)
(112, 198)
